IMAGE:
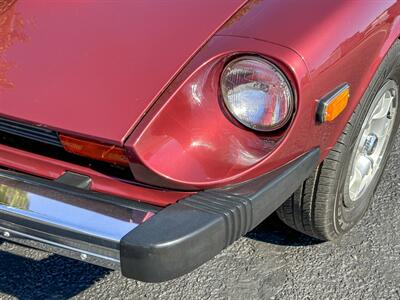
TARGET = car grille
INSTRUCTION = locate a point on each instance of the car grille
(30, 132)
(45, 142)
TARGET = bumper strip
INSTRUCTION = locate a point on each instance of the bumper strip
(183, 236)
(147, 243)
(54, 217)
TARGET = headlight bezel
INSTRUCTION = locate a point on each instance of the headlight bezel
(291, 102)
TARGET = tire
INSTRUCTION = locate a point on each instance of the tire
(335, 197)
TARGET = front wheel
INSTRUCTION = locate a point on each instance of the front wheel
(337, 195)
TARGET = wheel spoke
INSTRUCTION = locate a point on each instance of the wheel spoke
(355, 182)
(379, 127)
(382, 110)
(373, 140)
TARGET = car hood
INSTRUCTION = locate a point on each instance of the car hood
(95, 67)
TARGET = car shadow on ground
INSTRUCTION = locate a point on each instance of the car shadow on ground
(53, 277)
(56, 277)
(274, 231)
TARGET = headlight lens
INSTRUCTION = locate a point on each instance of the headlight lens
(257, 94)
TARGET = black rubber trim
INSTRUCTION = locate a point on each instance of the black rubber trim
(31, 132)
(183, 236)
(75, 180)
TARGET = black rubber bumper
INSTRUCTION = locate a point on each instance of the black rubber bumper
(185, 235)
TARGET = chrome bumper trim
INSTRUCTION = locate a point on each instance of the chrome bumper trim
(111, 262)
(52, 219)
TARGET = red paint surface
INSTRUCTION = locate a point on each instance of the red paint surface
(94, 68)
(340, 41)
(320, 45)
(203, 145)
(52, 168)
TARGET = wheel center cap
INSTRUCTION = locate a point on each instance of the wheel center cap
(370, 143)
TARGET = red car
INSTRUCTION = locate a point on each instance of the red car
(150, 135)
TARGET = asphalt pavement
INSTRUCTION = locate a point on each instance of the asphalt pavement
(272, 262)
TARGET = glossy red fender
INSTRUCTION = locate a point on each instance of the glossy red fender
(189, 138)
(340, 41)
(187, 141)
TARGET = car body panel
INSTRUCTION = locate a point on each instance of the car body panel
(92, 68)
(209, 148)
(171, 142)
(338, 41)
(40, 166)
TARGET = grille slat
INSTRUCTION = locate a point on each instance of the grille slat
(6, 127)
(31, 132)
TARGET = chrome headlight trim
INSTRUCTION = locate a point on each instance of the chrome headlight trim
(287, 94)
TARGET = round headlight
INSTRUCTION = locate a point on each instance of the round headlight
(257, 94)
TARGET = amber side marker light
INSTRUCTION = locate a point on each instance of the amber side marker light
(332, 105)
(107, 153)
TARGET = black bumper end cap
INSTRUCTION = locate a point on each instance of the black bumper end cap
(185, 235)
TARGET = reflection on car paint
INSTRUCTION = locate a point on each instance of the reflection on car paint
(11, 31)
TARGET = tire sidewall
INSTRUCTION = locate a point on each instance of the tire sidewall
(344, 217)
